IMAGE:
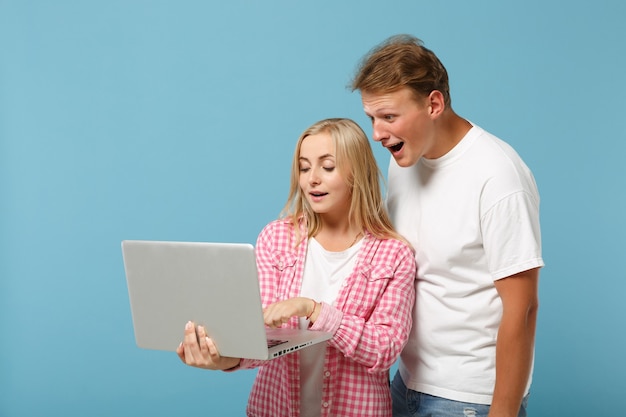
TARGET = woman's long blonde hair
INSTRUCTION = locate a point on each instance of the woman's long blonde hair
(356, 163)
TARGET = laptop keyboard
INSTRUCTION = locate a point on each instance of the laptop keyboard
(275, 342)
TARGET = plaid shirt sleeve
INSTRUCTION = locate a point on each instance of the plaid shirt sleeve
(373, 318)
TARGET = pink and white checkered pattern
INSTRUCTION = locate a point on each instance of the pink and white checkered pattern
(370, 319)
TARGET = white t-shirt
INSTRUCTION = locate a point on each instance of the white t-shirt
(324, 274)
(473, 218)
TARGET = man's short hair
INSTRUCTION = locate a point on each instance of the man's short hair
(402, 61)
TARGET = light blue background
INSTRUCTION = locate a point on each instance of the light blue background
(177, 120)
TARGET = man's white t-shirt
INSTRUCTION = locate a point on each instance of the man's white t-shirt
(473, 218)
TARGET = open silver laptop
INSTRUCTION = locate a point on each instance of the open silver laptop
(212, 284)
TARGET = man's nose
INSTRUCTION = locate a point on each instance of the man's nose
(378, 133)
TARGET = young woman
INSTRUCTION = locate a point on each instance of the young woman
(332, 262)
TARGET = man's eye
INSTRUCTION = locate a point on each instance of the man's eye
(388, 117)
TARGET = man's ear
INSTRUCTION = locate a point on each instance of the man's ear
(436, 103)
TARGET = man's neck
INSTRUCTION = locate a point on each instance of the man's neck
(451, 129)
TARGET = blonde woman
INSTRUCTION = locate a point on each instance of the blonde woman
(332, 262)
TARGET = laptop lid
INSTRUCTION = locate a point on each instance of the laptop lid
(213, 284)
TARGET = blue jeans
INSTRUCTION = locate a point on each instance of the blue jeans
(409, 403)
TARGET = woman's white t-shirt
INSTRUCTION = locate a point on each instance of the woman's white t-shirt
(324, 274)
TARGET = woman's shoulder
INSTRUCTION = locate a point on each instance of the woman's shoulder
(278, 234)
(279, 226)
(391, 254)
(393, 246)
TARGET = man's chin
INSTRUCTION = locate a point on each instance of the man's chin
(403, 162)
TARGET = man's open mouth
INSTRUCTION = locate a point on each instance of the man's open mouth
(395, 148)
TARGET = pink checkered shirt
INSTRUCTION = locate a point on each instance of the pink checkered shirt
(370, 319)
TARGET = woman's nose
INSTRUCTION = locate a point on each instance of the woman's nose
(313, 177)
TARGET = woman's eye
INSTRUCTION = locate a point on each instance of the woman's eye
(304, 169)
(329, 169)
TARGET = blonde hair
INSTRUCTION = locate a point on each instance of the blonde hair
(356, 163)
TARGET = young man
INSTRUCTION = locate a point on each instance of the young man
(470, 207)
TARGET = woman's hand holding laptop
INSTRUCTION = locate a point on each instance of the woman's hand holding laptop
(198, 350)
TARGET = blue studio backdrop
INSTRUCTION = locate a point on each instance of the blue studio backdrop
(176, 120)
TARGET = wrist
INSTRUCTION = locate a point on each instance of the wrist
(233, 368)
(308, 316)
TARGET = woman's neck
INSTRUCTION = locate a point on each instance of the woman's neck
(338, 239)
